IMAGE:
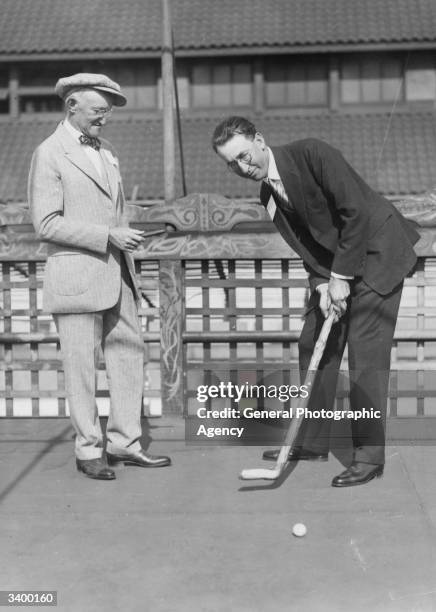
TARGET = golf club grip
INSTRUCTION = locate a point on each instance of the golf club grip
(318, 352)
(154, 233)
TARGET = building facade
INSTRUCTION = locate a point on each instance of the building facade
(360, 74)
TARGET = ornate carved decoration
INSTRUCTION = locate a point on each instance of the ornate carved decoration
(195, 219)
(216, 246)
(171, 317)
(200, 212)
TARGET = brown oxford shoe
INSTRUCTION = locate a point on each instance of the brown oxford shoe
(298, 454)
(95, 468)
(139, 458)
(357, 474)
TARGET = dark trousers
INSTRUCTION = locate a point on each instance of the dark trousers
(368, 327)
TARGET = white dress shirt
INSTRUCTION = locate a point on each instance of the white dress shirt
(93, 155)
(273, 173)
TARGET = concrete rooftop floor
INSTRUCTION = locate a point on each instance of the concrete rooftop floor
(193, 537)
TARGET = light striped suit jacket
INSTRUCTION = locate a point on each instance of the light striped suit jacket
(72, 209)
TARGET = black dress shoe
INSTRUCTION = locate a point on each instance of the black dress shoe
(140, 458)
(298, 454)
(95, 468)
(357, 474)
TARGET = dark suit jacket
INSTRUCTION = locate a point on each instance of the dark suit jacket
(337, 222)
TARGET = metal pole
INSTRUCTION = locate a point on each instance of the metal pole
(169, 156)
(179, 123)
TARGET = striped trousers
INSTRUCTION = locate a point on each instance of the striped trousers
(117, 332)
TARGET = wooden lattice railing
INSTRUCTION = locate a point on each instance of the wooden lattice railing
(223, 293)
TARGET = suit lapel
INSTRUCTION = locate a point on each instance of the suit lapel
(75, 154)
(111, 167)
(287, 221)
(291, 180)
(280, 219)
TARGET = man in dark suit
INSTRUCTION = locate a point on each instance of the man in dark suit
(357, 249)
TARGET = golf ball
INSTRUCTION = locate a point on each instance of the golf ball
(299, 530)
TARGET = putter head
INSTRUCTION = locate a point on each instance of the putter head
(260, 474)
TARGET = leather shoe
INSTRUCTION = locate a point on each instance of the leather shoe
(357, 474)
(140, 458)
(95, 468)
(297, 454)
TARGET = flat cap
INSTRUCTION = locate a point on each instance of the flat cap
(87, 80)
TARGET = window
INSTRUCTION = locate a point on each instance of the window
(36, 83)
(137, 78)
(372, 79)
(221, 84)
(40, 104)
(296, 81)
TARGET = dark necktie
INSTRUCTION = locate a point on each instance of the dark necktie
(89, 140)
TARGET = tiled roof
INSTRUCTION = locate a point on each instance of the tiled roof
(49, 26)
(395, 156)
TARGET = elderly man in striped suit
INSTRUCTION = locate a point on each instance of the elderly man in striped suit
(77, 203)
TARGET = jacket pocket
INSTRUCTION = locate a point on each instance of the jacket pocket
(68, 273)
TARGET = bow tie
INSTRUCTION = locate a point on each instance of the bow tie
(90, 141)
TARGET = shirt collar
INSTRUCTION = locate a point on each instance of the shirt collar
(273, 173)
(72, 130)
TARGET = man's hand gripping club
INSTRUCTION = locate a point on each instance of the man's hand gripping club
(333, 296)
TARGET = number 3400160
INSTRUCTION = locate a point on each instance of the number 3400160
(29, 598)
